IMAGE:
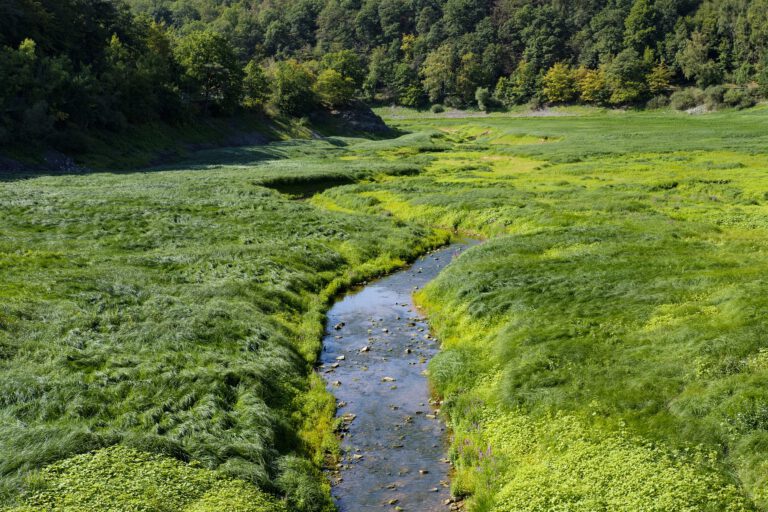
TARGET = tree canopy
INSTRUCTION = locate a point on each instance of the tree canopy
(69, 65)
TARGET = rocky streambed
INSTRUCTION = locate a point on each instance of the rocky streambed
(374, 359)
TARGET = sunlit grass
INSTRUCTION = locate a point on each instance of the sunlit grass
(605, 349)
(180, 312)
(605, 342)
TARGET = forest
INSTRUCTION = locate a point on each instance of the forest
(71, 67)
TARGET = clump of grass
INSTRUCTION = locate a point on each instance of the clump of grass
(561, 461)
(692, 97)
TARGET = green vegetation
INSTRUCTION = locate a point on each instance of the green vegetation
(59, 89)
(120, 478)
(173, 62)
(178, 312)
(421, 51)
(604, 349)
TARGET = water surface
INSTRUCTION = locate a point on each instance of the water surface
(374, 356)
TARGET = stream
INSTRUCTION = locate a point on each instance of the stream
(375, 352)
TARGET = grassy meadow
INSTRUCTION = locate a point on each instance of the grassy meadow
(177, 312)
(604, 350)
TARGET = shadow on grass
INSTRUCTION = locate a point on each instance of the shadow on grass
(199, 159)
(305, 187)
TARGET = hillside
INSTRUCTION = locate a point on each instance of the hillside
(71, 69)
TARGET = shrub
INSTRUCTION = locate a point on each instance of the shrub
(437, 108)
(453, 102)
(626, 76)
(685, 99)
(713, 96)
(537, 102)
(412, 96)
(255, 86)
(483, 97)
(659, 79)
(519, 87)
(292, 87)
(593, 86)
(739, 97)
(333, 89)
(348, 64)
(657, 102)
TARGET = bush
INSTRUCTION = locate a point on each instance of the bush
(537, 102)
(593, 87)
(659, 79)
(519, 87)
(333, 89)
(412, 96)
(255, 86)
(657, 102)
(739, 98)
(560, 84)
(483, 98)
(292, 87)
(685, 99)
(437, 108)
(453, 102)
(626, 77)
(713, 96)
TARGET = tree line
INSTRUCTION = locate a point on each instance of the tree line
(416, 52)
(68, 67)
(72, 65)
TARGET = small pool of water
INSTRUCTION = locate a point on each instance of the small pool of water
(374, 356)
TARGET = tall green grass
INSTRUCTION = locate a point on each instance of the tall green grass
(605, 349)
(178, 312)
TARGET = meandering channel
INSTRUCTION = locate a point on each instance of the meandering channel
(374, 356)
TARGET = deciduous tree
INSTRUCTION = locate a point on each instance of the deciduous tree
(212, 73)
(292, 87)
(560, 84)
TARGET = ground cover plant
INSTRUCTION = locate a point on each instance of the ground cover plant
(177, 312)
(605, 348)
